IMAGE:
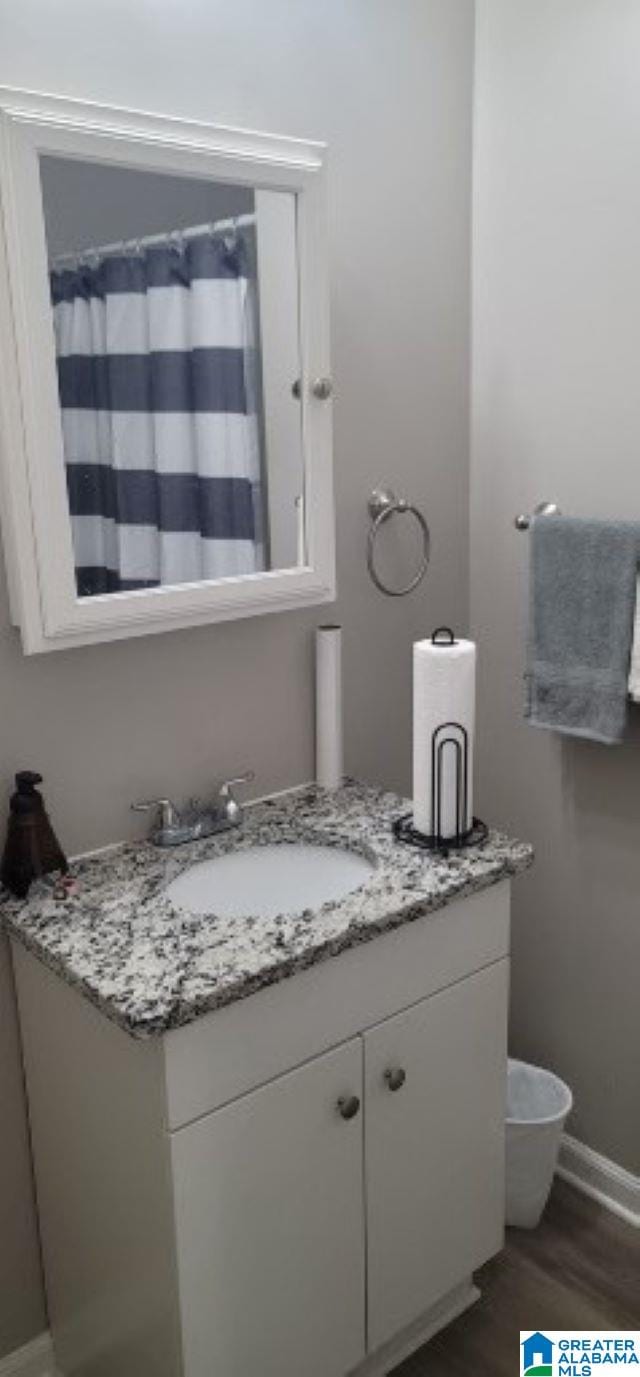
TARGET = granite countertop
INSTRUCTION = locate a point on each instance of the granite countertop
(150, 966)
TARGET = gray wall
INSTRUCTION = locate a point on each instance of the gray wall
(87, 205)
(556, 415)
(173, 712)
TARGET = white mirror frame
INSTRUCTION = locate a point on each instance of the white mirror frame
(35, 515)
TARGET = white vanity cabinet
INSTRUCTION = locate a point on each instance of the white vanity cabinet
(301, 1183)
(270, 1192)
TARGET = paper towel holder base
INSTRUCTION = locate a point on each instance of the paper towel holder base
(446, 738)
(404, 831)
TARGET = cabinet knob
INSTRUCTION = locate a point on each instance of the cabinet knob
(322, 388)
(348, 1106)
(395, 1078)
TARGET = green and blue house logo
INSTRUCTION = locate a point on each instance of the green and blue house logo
(537, 1355)
(577, 1352)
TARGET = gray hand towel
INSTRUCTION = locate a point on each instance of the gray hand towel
(582, 604)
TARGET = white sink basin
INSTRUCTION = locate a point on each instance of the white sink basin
(268, 880)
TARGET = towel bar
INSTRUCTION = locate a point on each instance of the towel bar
(523, 522)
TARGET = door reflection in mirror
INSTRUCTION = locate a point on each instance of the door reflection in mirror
(180, 426)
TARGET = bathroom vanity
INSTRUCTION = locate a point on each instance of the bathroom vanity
(268, 1144)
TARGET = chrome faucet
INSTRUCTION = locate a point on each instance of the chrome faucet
(194, 822)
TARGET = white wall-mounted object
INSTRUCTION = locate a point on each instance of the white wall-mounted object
(329, 731)
(34, 502)
(229, 1193)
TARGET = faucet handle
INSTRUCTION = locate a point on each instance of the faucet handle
(231, 807)
(169, 816)
(226, 788)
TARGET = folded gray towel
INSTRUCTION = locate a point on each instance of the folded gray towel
(582, 603)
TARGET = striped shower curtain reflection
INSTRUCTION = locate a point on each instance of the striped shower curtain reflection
(158, 380)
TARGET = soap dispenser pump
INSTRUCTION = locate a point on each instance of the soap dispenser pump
(32, 848)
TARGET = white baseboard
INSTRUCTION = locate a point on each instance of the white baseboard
(596, 1176)
(34, 1360)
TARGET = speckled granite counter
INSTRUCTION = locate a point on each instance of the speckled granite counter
(150, 966)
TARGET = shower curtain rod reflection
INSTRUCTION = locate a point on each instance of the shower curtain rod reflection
(148, 240)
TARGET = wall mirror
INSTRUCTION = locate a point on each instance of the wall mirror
(166, 428)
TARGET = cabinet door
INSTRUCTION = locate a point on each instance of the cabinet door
(434, 1153)
(270, 1228)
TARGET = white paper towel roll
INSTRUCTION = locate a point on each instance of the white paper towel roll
(444, 690)
(329, 749)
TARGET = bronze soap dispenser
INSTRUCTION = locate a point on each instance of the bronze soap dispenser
(32, 848)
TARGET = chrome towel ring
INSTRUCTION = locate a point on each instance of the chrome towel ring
(383, 504)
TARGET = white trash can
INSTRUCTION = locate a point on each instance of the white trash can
(537, 1108)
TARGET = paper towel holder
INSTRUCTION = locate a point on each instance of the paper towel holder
(446, 736)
